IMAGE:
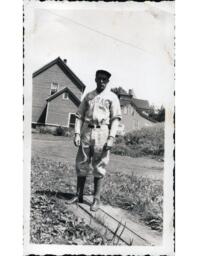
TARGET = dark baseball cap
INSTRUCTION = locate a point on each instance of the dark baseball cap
(104, 72)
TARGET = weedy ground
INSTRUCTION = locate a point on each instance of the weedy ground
(52, 222)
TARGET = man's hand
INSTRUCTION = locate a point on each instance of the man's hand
(109, 143)
(77, 140)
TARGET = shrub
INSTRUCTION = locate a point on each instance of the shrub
(60, 131)
(46, 129)
(64, 131)
(121, 149)
(147, 141)
(119, 139)
(57, 131)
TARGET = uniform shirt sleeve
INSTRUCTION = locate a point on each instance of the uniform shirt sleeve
(115, 109)
(82, 109)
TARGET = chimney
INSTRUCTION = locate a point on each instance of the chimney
(65, 61)
(130, 92)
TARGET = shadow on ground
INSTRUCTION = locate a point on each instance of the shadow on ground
(59, 195)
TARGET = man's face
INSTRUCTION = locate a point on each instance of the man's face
(101, 81)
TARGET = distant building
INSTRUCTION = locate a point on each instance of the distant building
(135, 112)
(57, 94)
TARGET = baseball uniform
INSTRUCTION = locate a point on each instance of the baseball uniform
(96, 111)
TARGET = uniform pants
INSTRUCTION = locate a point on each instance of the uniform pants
(91, 156)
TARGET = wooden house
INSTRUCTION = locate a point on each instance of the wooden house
(56, 94)
(135, 112)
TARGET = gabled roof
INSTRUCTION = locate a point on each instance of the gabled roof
(66, 89)
(126, 99)
(140, 112)
(142, 104)
(139, 105)
(68, 72)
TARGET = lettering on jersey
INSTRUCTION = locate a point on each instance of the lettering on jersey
(99, 101)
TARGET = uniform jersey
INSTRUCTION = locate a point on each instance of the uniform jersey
(99, 108)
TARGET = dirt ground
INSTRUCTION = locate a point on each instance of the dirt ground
(62, 149)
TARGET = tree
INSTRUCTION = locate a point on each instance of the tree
(119, 90)
(161, 114)
(157, 114)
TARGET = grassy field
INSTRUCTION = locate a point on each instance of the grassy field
(134, 184)
(62, 149)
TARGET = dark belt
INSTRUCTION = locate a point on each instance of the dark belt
(94, 126)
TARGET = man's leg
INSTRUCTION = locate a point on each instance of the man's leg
(80, 187)
(100, 161)
(97, 191)
(82, 168)
(79, 190)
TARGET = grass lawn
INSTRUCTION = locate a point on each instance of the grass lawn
(134, 184)
(62, 149)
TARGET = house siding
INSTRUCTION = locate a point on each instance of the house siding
(58, 111)
(42, 86)
(133, 120)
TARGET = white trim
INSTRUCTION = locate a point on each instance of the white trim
(68, 119)
(51, 88)
(67, 96)
(49, 124)
(69, 116)
(47, 112)
(57, 125)
(125, 110)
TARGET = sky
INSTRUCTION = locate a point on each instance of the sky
(133, 41)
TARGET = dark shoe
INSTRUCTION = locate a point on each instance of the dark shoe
(73, 200)
(96, 205)
(80, 199)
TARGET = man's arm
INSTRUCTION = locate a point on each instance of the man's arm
(112, 133)
(78, 125)
(115, 114)
(114, 127)
(79, 122)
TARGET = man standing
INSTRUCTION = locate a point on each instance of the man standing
(97, 121)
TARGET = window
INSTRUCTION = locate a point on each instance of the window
(131, 111)
(72, 119)
(65, 96)
(54, 88)
(125, 110)
(136, 124)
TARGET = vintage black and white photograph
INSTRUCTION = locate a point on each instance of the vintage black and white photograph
(99, 127)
